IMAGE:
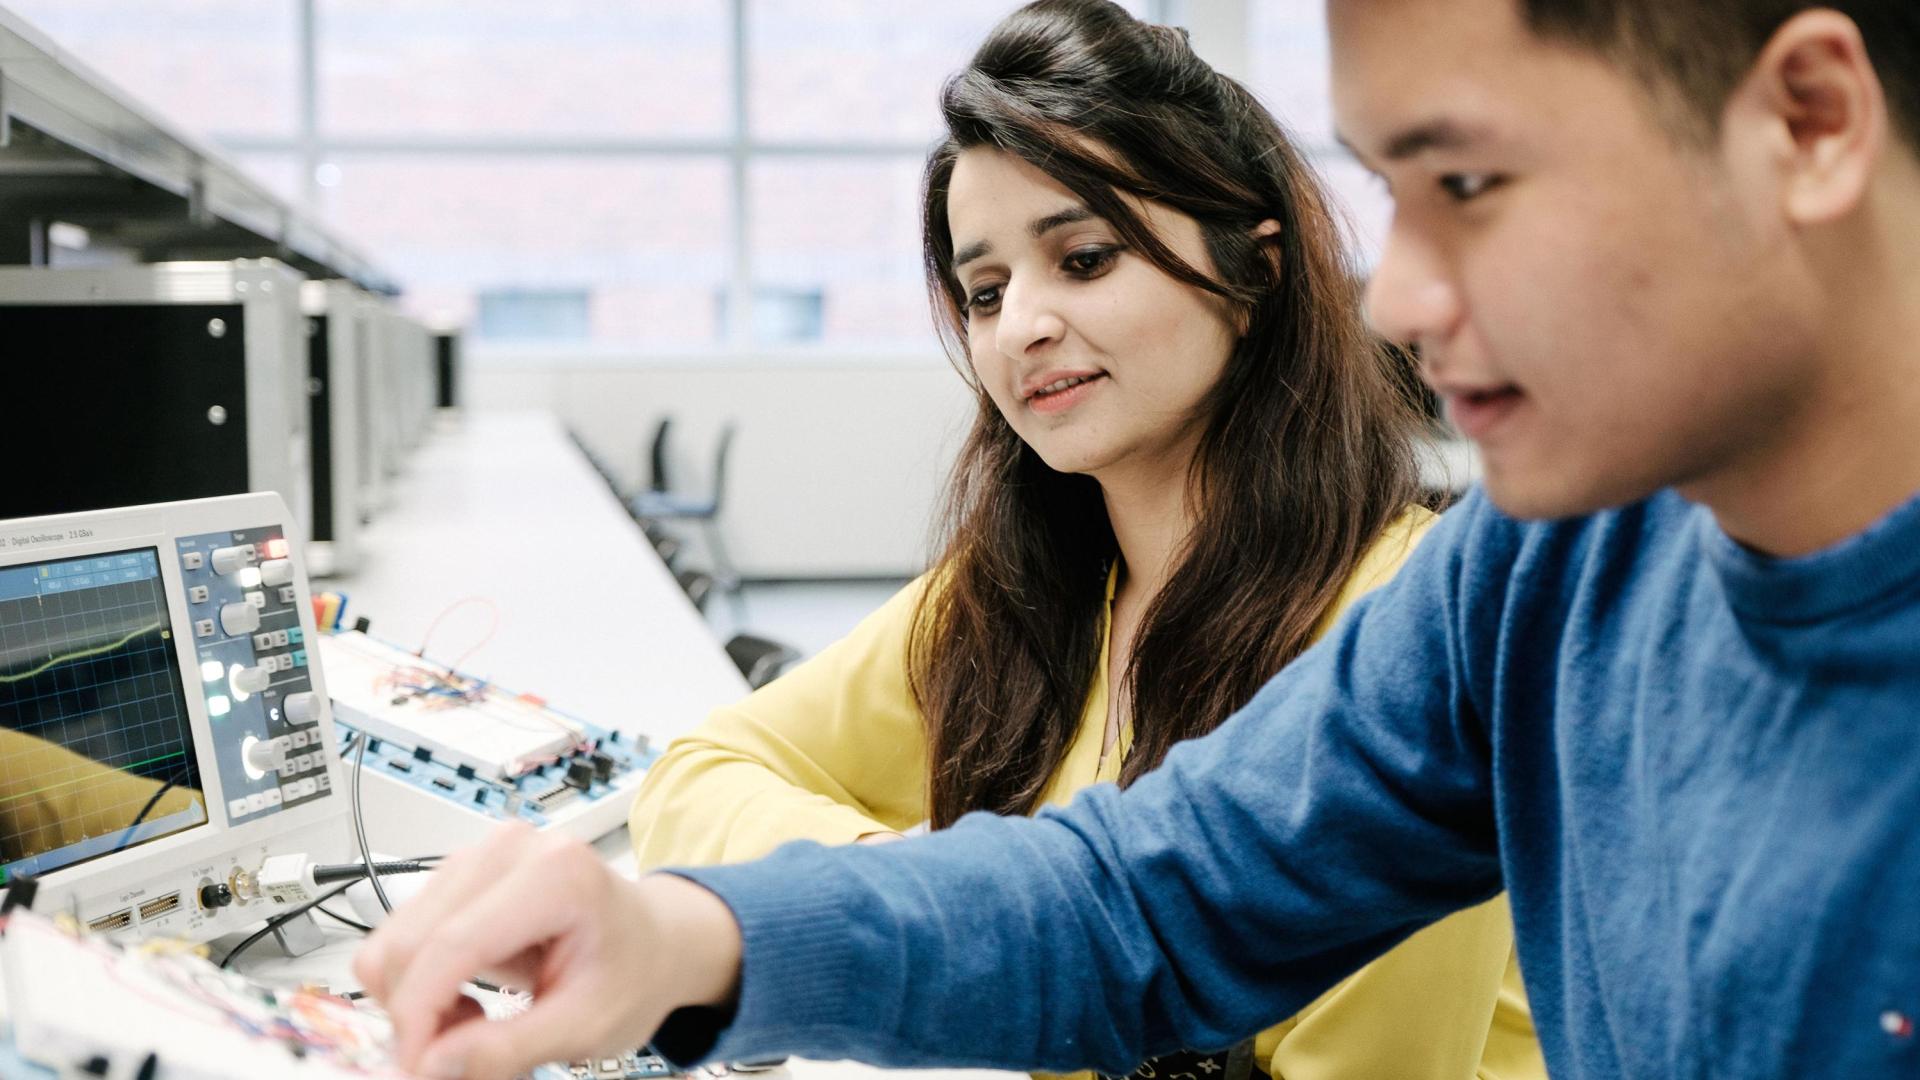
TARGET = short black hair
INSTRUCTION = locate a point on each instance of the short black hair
(1696, 51)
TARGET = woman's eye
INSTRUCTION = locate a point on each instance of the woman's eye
(983, 301)
(1088, 262)
(1465, 187)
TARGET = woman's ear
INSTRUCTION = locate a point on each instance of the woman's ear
(1264, 235)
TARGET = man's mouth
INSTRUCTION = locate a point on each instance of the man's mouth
(1477, 412)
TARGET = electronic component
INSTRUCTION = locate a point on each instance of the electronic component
(335, 311)
(447, 356)
(450, 755)
(396, 402)
(76, 1000)
(162, 729)
(176, 380)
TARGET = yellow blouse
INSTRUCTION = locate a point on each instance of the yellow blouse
(835, 749)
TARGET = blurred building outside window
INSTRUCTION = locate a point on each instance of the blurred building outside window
(610, 176)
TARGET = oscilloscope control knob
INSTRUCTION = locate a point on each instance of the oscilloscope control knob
(276, 572)
(237, 619)
(226, 560)
(302, 708)
(251, 680)
(266, 755)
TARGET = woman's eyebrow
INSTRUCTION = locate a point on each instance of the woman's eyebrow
(1070, 216)
(1038, 228)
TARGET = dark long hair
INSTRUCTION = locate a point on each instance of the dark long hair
(1304, 456)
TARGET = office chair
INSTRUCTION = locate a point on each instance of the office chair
(670, 506)
(668, 548)
(657, 457)
(698, 585)
(759, 659)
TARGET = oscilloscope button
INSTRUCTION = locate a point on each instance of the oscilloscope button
(237, 619)
(226, 560)
(192, 560)
(276, 572)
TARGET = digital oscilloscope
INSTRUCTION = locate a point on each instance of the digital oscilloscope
(163, 729)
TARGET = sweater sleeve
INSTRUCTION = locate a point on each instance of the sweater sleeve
(1422, 1010)
(830, 751)
(1346, 807)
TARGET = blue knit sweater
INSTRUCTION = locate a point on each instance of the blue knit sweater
(1696, 770)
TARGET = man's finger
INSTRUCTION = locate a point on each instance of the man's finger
(558, 1027)
(539, 900)
(388, 952)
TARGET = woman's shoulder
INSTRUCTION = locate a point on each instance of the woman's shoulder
(1392, 547)
(1382, 559)
(893, 621)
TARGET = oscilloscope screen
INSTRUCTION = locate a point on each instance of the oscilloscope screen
(96, 752)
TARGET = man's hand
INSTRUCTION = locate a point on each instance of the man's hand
(605, 958)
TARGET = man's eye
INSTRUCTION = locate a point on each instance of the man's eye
(1464, 187)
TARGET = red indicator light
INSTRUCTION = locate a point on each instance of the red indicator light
(276, 549)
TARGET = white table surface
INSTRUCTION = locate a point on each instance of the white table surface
(503, 505)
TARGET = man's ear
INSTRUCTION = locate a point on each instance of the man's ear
(1815, 90)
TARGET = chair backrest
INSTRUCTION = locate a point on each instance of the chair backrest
(657, 456)
(760, 659)
(721, 451)
(698, 585)
(668, 548)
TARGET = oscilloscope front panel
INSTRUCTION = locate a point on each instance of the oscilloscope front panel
(161, 729)
(254, 676)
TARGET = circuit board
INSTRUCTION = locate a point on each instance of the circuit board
(73, 1002)
(449, 755)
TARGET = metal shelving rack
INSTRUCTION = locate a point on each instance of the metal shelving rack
(76, 149)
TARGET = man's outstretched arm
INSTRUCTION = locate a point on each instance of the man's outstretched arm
(1348, 805)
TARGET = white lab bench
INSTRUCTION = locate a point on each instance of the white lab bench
(504, 506)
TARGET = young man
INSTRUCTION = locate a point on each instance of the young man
(1659, 258)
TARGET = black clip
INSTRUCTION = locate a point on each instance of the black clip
(20, 893)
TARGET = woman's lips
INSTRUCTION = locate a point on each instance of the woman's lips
(1059, 401)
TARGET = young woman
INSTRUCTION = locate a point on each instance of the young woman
(1189, 457)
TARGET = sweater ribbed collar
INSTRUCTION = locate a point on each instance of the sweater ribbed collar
(1853, 574)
